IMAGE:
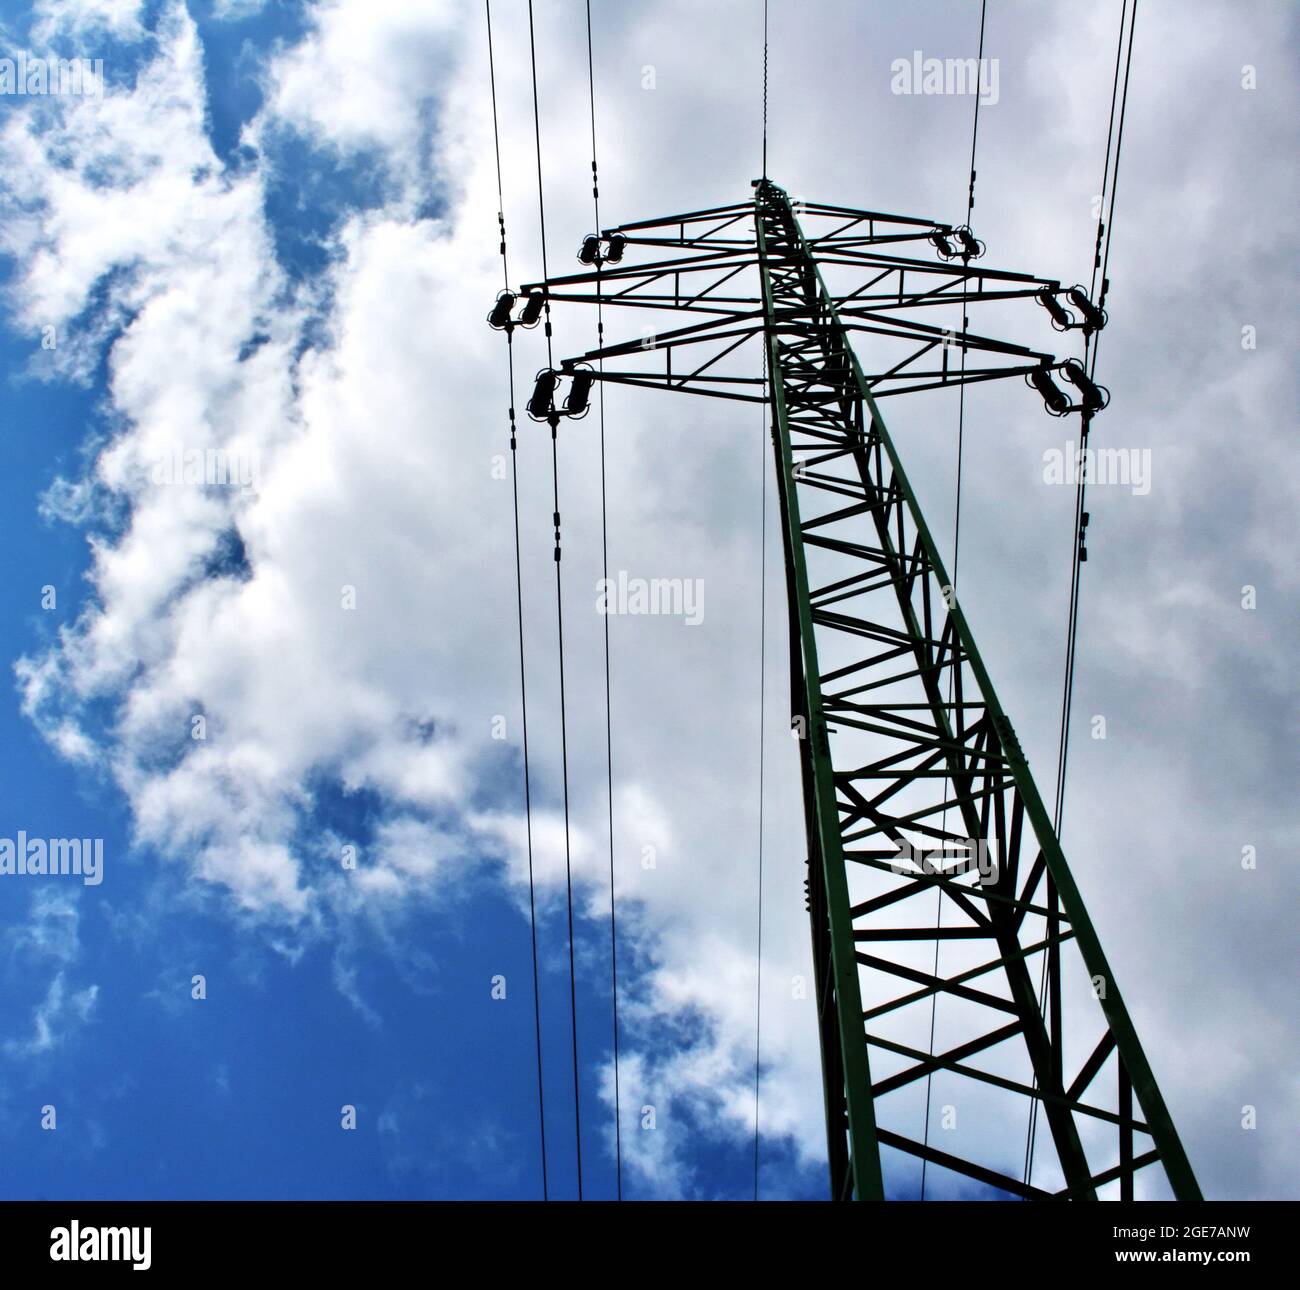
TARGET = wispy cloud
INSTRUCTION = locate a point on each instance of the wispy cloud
(48, 942)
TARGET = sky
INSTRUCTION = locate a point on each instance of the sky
(276, 232)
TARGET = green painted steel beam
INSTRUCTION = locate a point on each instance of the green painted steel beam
(1161, 1127)
(864, 1149)
(887, 590)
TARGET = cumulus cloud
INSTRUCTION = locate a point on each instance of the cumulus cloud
(345, 627)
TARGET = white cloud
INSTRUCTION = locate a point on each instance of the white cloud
(237, 10)
(49, 942)
(367, 76)
(376, 449)
(120, 18)
(60, 1011)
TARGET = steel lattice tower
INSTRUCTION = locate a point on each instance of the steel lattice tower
(913, 779)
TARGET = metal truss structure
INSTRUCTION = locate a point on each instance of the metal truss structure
(917, 795)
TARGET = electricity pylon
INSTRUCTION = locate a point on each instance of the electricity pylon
(914, 783)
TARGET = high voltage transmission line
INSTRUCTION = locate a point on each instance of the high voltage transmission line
(519, 604)
(883, 659)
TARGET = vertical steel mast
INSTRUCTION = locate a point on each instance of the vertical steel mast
(915, 787)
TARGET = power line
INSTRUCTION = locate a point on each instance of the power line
(764, 89)
(762, 730)
(1095, 343)
(762, 701)
(826, 415)
(559, 619)
(519, 602)
(975, 128)
(1101, 261)
(541, 200)
(956, 552)
(604, 555)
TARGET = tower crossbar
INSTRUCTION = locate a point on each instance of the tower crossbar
(917, 794)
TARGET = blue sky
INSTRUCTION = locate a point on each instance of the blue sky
(240, 1094)
(278, 232)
